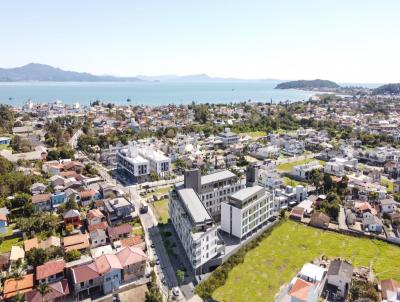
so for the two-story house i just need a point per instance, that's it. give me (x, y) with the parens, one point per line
(118, 210)
(51, 271)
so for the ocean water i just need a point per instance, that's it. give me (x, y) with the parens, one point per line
(148, 93)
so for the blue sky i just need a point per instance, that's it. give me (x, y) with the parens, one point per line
(345, 41)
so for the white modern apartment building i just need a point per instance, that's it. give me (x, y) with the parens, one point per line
(304, 171)
(159, 163)
(140, 162)
(246, 211)
(194, 226)
(215, 188)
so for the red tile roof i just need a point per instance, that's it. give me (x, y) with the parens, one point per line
(50, 268)
(300, 290)
(76, 242)
(57, 290)
(389, 285)
(131, 255)
(102, 226)
(12, 286)
(131, 241)
(85, 273)
(87, 194)
(94, 213)
(40, 198)
(114, 232)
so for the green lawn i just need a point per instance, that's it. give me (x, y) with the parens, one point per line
(138, 231)
(254, 134)
(161, 210)
(291, 182)
(288, 167)
(281, 255)
(159, 191)
(6, 245)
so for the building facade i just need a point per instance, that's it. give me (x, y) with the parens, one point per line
(194, 226)
(246, 211)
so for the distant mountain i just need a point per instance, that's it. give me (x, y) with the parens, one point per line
(308, 85)
(41, 72)
(389, 89)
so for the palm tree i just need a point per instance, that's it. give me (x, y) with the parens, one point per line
(43, 289)
(19, 297)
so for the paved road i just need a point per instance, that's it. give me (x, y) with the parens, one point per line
(149, 222)
(73, 142)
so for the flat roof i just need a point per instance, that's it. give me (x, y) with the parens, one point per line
(193, 205)
(218, 176)
(245, 193)
(138, 159)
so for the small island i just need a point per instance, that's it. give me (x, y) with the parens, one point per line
(308, 85)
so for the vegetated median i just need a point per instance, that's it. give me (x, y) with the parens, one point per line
(259, 269)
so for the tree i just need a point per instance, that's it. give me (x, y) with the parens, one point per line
(154, 176)
(153, 295)
(36, 257)
(328, 183)
(43, 289)
(69, 228)
(72, 255)
(180, 276)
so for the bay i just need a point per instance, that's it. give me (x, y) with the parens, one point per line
(147, 93)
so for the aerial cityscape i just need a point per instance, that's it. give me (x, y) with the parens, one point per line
(187, 151)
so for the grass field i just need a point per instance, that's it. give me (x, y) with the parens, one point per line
(161, 210)
(281, 255)
(291, 182)
(254, 134)
(6, 245)
(287, 167)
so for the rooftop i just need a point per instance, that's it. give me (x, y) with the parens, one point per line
(218, 176)
(193, 205)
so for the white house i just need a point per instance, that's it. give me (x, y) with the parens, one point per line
(388, 206)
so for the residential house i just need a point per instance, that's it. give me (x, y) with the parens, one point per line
(94, 216)
(14, 286)
(78, 242)
(133, 260)
(98, 237)
(119, 232)
(51, 271)
(118, 210)
(41, 202)
(320, 220)
(87, 196)
(108, 271)
(38, 188)
(57, 199)
(57, 181)
(57, 291)
(72, 217)
(371, 223)
(390, 290)
(339, 277)
(307, 285)
(388, 206)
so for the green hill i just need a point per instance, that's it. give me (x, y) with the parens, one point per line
(307, 84)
